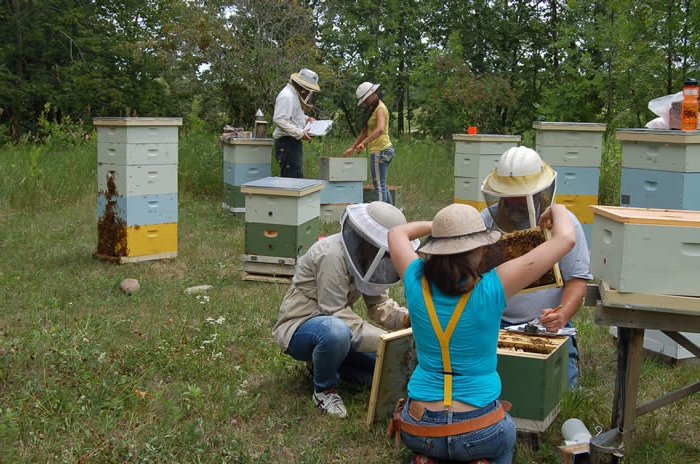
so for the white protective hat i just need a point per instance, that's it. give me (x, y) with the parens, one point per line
(364, 228)
(364, 90)
(519, 189)
(307, 79)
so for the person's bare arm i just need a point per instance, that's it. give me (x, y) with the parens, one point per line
(400, 248)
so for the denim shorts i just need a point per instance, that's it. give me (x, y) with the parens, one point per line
(495, 442)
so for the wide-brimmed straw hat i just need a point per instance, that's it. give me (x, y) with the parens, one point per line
(307, 79)
(458, 228)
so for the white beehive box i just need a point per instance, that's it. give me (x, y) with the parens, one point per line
(342, 168)
(248, 151)
(484, 144)
(569, 143)
(644, 250)
(660, 150)
(137, 130)
(282, 200)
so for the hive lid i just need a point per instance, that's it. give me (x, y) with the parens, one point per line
(283, 186)
(486, 138)
(666, 217)
(569, 126)
(658, 136)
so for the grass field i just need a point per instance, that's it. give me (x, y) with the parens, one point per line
(89, 374)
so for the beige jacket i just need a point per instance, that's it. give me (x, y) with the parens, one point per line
(322, 285)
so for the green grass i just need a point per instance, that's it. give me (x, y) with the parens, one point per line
(90, 374)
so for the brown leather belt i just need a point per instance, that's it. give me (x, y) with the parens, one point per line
(396, 425)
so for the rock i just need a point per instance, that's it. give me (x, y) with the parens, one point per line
(199, 289)
(130, 286)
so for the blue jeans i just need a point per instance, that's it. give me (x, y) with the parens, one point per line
(288, 152)
(495, 442)
(325, 341)
(379, 166)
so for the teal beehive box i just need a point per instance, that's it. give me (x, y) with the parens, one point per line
(244, 160)
(533, 371)
(281, 215)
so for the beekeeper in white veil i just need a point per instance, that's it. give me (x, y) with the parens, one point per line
(317, 319)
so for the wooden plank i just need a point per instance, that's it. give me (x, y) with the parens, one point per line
(658, 136)
(649, 301)
(651, 216)
(668, 399)
(645, 319)
(396, 359)
(267, 278)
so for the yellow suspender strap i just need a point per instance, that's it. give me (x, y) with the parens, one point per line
(444, 337)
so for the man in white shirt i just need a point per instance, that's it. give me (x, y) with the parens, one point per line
(290, 120)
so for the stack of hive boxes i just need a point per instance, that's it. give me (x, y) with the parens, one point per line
(369, 194)
(475, 157)
(137, 200)
(574, 150)
(645, 251)
(245, 160)
(344, 178)
(281, 223)
(660, 169)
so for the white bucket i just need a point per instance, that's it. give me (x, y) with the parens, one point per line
(575, 431)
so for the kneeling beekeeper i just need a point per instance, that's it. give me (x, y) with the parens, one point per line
(317, 323)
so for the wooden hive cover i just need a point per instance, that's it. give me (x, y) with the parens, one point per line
(665, 217)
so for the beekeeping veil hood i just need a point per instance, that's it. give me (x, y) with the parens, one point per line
(364, 228)
(519, 189)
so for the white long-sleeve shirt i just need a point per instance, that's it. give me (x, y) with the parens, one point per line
(289, 117)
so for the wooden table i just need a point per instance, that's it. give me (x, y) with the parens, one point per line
(632, 313)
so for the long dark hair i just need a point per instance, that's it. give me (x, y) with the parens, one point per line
(372, 108)
(452, 274)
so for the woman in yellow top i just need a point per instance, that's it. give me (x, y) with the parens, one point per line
(375, 135)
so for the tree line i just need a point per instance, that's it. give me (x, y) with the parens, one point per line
(442, 64)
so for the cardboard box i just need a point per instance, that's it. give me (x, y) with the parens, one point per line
(644, 250)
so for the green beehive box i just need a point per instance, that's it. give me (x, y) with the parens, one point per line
(533, 371)
(368, 194)
(234, 199)
(287, 241)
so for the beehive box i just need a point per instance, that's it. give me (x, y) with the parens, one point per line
(281, 216)
(245, 160)
(282, 200)
(342, 168)
(533, 371)
(660, 150)
(644, 250)
(248, 151)
(484, 144)
(645, 188)
(369, 195)
(137, 199)
(516, 244)
(569, 143)
(332, 212)
(349, 191)
(577, 180)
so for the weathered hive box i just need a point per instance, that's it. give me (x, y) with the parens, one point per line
(281, 216)
(369, 195)
(569, 143)
(137, 199)
(344, 191)
(475, 157)
(342, 168)
(643, 250)
(533, 371)
(660, 169)
(245, 160)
